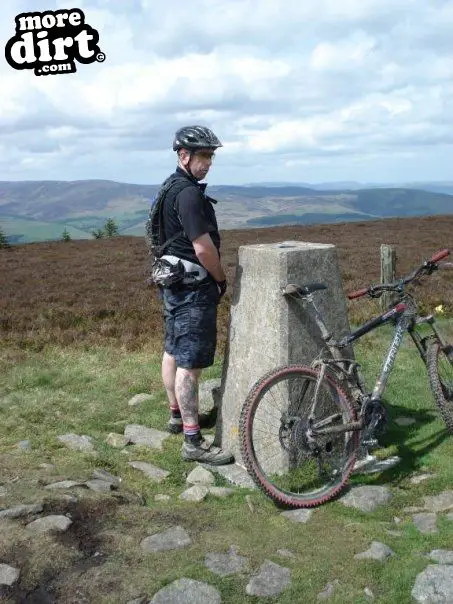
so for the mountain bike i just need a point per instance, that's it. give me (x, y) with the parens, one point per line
(303, 428)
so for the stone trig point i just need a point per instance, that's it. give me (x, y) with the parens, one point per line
(267, 329)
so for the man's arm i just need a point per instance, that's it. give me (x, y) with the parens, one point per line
(208, 256)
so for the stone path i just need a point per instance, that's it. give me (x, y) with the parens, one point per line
(268, 579)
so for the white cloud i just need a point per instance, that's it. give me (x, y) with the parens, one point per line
(319, 89)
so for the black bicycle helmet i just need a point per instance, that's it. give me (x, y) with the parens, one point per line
(195, 137)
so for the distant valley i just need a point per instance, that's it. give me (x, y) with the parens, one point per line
(41, 210)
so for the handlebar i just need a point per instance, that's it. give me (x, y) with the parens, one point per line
(374, 291)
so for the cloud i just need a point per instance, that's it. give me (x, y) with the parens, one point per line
(319, 89)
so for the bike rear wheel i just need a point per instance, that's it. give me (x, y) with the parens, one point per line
(440, 370)
(285, 457)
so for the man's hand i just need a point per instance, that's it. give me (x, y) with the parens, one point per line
(222, 285)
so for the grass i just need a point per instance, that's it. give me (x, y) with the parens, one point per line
(86, 391)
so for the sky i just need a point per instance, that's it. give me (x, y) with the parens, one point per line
(315, 91)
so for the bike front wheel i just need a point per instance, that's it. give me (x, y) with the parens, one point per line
(439, 361)
(293, 441)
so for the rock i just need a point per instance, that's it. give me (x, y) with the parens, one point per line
(99, 486)
(418, 478)
(271, 580)
(64, 484)
(234, 474)
(405, 421)
(200, 475)
(161, 497)
(426, 523)
(3, 492)
(117, 441)
(187, 591)
(328, 590)
(439, 503)
(286, 553)
(76, 442)
(19, 511)
(138, 399)
(8, 575)
(47, 466)
(173, 538)
(367, 498)
(434, 585)
(100, 474)
(397, 520)
(196, 493)
(442, 556)
(25, 445)
(141, 435)
(394, 533)
(156, 474)
(225, 564)
(413, 509)
(300, 515)
(377, 551)
(220, 491)
(369, 594)
(140, 600)
(50, 524)
(449, 517)
(208, 395)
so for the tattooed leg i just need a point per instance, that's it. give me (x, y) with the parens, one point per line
(186, 388)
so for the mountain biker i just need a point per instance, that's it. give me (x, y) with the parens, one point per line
(190, 305)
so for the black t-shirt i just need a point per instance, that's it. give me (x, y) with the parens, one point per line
(192, 210)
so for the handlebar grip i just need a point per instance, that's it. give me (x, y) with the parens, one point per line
(441, 254)
(358, 293)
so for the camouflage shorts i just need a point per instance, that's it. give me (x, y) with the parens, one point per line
(191, 325)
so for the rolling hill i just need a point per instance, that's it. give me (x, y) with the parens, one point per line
(41, 210)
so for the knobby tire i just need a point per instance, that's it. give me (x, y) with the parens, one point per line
(443, 394)
(279, 495)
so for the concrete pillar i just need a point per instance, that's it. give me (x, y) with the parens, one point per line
(267, 329)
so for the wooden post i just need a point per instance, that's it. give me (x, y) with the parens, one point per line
(388, 270)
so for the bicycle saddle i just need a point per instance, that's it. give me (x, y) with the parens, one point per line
(303, 290)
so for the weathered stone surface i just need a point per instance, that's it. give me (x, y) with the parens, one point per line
(173, 538)
(47, 466)
(450, 516)
(220, 491)
(77, 442)
(286, 553)
(300, 515)
(138, 399)
(234, 473)
(99, 486)
(369, 594)
(367, 498)
(141, 435)
(405, 421)
(200, 475)
(328, 591)
(439, 503)
(3, 491)
(51, 523)
(117, 441)
(443, 556)
(8, 575)
(101, 474)
(156, 474)
(196, 493)
(64, 484)
(225, 564)
(141, 600)
(425, 522)
(418, 478)
(271, 580)
(376, 551)
(187, 591)
(434, 585)
(25, 445)
(161, 497)
(208, 395)
(268, 329)
(19, 511)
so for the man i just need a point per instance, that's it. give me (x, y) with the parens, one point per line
(190, 306)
